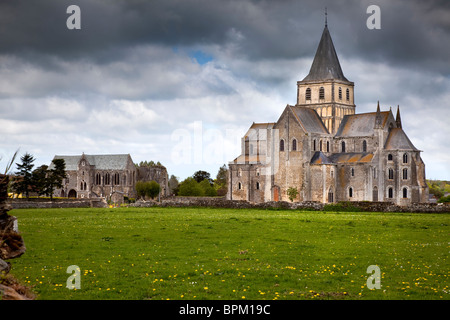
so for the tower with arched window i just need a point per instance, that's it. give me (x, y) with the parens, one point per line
(325, 88)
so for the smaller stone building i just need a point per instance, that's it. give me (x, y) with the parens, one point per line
(111, 176)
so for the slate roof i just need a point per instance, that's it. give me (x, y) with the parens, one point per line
(352, 157)
(398, 140)
(326, 63)
(360, 125)
(101, 162)
(309, 120)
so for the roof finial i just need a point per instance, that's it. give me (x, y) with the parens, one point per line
(326, 23)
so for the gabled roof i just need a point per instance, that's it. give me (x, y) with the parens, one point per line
(309, 120)
(398, 140)
(320, 158)
(326, 63)
(253, 159)
(258, 131)
(101, 162)
(360, 125)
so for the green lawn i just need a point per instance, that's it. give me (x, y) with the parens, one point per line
(204, 253)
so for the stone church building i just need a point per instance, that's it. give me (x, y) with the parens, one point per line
(325, 150)
(109, 176)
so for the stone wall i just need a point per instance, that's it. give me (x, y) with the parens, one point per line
(306, 205)
(58, 203)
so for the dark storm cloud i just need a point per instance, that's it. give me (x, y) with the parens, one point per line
(411, 31)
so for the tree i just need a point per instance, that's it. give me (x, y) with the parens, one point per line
(190, 187)
(140, 189)
(200, 175)
(23, 181)
(39, 177)
(147, 189)
(221, 181)
(173, 184)
(152, 189)
(292, 193)
(208, 189)
(55, 176)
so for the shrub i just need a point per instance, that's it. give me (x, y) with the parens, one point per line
(190, 187)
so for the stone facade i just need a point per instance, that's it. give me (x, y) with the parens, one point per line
(98, 176)
(112, 177)
(321, 147)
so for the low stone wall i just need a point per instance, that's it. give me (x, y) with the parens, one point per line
(57, 203)
(310, 205)
(216, 202)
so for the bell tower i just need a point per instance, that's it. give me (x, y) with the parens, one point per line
(326, 89)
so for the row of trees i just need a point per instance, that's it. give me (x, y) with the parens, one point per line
(201, 184)
(41, 180)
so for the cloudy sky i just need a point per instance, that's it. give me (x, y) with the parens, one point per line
(180, 81)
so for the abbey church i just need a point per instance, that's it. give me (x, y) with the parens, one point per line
(326, 151)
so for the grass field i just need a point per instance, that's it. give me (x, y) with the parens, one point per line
(204, 253)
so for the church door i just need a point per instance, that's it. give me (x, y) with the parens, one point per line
(72, 194)
(276, 194)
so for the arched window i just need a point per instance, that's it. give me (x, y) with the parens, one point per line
(353, 172)
(85, 186)
(405, 158)
(321, 93)
(405, 193)
(348, 94)
(364, 146)
(330, 196)
(343, 146)
(350, 192)
(107, 179)
(257, 186)
(375, 194)
(328, 146)
(390, 157)
(281, 145)
(340, 93)
(98, 179)
(320, 145)
(390, 193)
(81, 186)
(390, 174)
(405, 174)
(314, 145)
(308, 94)
(239, 186)
(116, 179)
(124, 180)
(294, 145)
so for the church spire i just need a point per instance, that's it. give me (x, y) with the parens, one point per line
(397, 119)
(326, 22)
(326, 64)
(378, 117)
